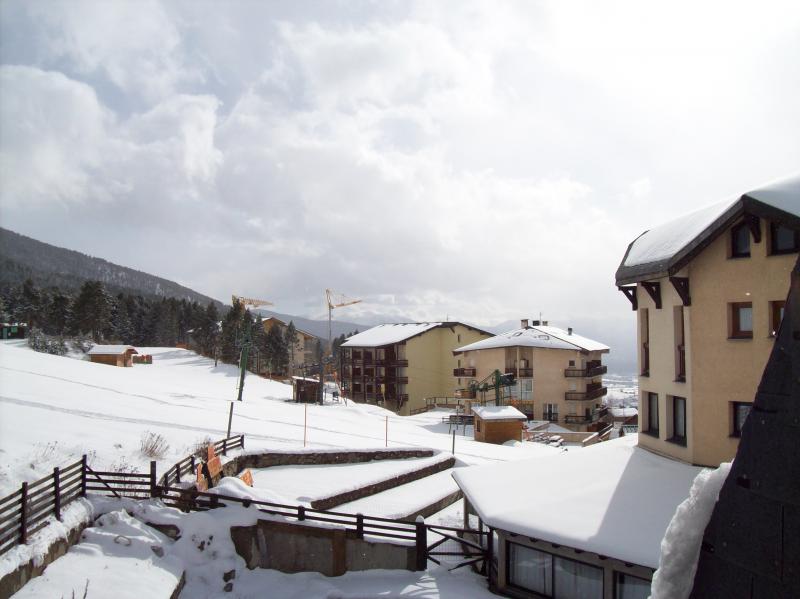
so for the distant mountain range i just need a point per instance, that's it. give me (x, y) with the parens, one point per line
(22, 257)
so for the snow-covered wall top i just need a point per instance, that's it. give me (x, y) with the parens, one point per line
(537, 336)
(387, 334)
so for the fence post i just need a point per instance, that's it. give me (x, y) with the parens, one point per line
(242, 438)
(84, 466)
(360, 526)
(422, 545)
(454, 443)
(194, 466)
(57, 493)
(178, 472)
(23, 517)
(225, 446)
(153, 484)
(301, 512)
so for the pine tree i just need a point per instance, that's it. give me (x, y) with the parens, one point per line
(59, 312)
(91, 313)
(290, 337)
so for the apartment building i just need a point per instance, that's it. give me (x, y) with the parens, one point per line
(557, 369)
(400, 365)
(709, 290)
(302, 351)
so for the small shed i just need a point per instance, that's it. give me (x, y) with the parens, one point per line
(113, 355)
(14, 330)
(305, 390)
(498, 424)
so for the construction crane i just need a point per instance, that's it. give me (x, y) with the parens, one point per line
(246, 344)
(336, 301)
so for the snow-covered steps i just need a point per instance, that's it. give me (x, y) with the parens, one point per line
(423, 497)
(412, 470)
(307, 484)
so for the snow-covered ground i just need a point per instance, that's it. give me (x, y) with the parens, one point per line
(54, 409)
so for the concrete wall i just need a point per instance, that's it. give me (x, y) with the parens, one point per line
(297, 547)
(719, 370)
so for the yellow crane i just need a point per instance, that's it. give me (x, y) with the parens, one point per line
(336, 300)
(249, 301)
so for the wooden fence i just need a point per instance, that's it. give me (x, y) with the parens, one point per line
(25, 511)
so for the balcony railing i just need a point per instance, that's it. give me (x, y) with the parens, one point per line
(584, 395)
(464, 372)
(584, 419)
(397, 380)
(585, 372)
(550, 416)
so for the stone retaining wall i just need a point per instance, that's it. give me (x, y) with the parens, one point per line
(307, 458)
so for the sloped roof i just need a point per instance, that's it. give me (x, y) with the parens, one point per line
(387, 334)
(113, 350)
(664, 250)
(286, 324)
(592, 498)
(537, 336)
(498, 413)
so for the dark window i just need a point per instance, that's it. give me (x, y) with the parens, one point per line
(552, 575)
(644, 327)
(775, 316)
(652, 414)
(740, 413)
(783, 240)
(572, 362)
(477, 425)
(742, 320)
(678, 420)
(680, 347)
(740, 241)
(630, 587)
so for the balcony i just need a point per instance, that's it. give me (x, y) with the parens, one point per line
(585, 372)
(584, 419)
(586, 395)
(550, 416)
(520, 373)
(464, 372)
(397, 380)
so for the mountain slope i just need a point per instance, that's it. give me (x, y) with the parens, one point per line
(47, 265)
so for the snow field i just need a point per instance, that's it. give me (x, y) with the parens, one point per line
(54, 409)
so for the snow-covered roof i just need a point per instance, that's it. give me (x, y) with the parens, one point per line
(537, 336)
(387, 334)
(624, 412)
(301, 378)
(613, 498)
(110, 350)
(498, 413)
(665, 249)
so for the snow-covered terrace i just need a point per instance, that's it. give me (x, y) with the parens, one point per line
(613, 499)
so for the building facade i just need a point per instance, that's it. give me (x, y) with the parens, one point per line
(400, 365)
(709, 291)
(560, 371)
(302, 351)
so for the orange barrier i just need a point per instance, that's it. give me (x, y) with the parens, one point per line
(247, 477)
(202, 483)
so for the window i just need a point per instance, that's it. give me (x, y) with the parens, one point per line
(740, 241)
(680, 347)
(458, 338)
(630, 587)
(477, 425)
(775, 316)
(678, 420)
(740, 413)
(741, 320)
(652, 414)
(553, 576)
(644, 328)
(783, 240)
(572, 362)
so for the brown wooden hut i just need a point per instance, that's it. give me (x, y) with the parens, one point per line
(113, 355)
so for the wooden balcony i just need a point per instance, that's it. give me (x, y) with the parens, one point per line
(585, 372)
(464, 372)
(586, 395)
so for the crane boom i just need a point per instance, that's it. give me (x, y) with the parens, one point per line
(336, 301)
(249, 301)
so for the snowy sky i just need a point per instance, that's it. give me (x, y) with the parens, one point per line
(479, 160)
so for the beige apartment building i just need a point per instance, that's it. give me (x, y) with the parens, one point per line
(560, 371)
(302, 351)
(400, 365)
(709, 290)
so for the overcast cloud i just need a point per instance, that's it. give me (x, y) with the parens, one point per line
(477, 160)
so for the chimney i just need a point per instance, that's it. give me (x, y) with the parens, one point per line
(523, 324)
(535, 323)
(569, 331)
